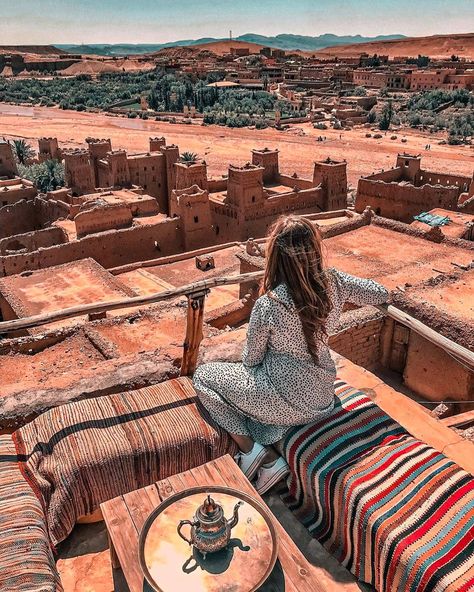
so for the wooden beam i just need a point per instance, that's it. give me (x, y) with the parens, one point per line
(97, 307)
(192, 341)
(460, 353)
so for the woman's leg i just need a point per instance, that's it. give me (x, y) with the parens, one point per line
(244, 443)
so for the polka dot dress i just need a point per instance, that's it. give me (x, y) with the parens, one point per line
(278, 385)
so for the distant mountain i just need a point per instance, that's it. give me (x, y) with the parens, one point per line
(285, 41)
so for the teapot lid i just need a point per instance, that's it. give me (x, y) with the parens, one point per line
(210, 509)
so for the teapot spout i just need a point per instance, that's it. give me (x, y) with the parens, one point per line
(235, 517)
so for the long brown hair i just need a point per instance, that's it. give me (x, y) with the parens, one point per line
(294, 257)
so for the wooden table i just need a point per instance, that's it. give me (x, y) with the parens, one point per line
(125, 516)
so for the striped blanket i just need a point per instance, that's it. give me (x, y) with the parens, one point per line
(26, 559)
(394, 511)
(79, 455)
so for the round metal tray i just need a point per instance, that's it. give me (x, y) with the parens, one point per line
(169, 564)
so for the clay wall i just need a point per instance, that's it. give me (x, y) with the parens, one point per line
(332, 176)
(8, 166)
(402, 202)
(192, 206)
(14, 190)
(49, 210)
(292, 182)
(268, 159)
(217, 185)
(359, 342)
(245, 186)
(389, 176)
(48, 149)
(101, 218)
(109, 249)
(171, 154)
(98, 149)
(31, 241)
(459, 182)
(156, 144)
(233, 222)
(118, 167)
(149, 171)
(18, 218)
(79, 171)
(192, 174)
(436, 376)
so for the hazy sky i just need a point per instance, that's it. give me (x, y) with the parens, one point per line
(157, 21)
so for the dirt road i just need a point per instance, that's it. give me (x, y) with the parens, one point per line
(220, 146)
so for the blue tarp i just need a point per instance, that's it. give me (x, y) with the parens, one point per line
(433, 219)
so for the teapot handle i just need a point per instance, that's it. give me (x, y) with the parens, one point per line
(180, 526)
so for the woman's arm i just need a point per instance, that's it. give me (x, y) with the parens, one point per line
(257, 335)
(361, 291)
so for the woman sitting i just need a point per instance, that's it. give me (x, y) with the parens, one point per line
(287, 375)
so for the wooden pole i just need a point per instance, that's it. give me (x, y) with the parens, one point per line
(98, 307)
(192, 341)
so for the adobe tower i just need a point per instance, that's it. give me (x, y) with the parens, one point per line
(332, 176)
(8, 166)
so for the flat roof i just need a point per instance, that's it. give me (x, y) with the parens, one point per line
(454, 295)
(55, 288)
(118, 196)
(392, 258)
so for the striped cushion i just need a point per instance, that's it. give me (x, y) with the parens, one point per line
(26, 558)
(394, 511)
(82, 454)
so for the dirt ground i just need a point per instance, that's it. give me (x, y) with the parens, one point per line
(220, 146)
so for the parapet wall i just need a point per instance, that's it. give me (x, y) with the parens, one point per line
(31, 241)
(18, 218)
(109, 249)
(458, 182)
(358, 337)
(101, 218)
(402, 202)
(297, 182)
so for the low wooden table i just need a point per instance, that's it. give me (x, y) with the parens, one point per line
(125, 516)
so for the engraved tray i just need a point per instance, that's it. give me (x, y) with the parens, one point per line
(169, 564)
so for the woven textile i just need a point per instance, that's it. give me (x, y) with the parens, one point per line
(391, 509)
(82, 454)
(26, 558)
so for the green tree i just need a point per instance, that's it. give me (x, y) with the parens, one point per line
(46, 176)
(22, 151)
(386, 116)
(188, 157)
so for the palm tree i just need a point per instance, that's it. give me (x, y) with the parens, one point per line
(22, 150)
(189, 157)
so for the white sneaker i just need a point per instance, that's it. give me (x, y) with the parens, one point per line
(250, 462)
(270, 476)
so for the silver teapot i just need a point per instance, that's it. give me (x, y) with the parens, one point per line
(210, 530)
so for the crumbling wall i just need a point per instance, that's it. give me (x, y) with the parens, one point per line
(31, 241)
(217, 185)
(101, 218)
(402, 202)
(388, 176)
(435, 375)
(110, 249)
(18, 218)
(459, 182)
(292, 181)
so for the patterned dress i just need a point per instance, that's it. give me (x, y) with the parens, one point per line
(278, 385)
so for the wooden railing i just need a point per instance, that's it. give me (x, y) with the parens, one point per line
(195, 294)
